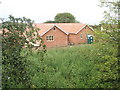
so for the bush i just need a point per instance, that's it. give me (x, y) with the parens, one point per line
(15, 67)
(107, 65)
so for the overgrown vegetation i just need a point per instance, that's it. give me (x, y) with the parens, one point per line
(71, 67)
(18, 33)
(108, 46)
(93, 66)
(85, 66)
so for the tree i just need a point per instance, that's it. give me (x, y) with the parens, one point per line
(18, 33)
(108, 46)
(64, 18)
(49, 21)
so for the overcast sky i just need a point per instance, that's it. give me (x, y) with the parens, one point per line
(85, 11)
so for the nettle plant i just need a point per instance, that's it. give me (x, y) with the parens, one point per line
(18, 34)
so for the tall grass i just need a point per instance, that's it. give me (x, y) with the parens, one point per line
(71, 67)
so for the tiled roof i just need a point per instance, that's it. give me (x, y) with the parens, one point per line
(65, 27)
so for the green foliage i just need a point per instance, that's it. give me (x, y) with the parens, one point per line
(108, 43)
(107, 66)
(111, 15)
(85, 66)
(71, 67)
(96, 27)
(49, 21)
(15, 67)
(64, 18)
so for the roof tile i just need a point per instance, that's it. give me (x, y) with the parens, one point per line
(66, 27)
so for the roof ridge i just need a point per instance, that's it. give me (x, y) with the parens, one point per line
(65, 27)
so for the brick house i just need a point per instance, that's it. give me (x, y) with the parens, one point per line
(63, 34)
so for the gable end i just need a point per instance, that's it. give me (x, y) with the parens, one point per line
(53, 27)
(83, 28)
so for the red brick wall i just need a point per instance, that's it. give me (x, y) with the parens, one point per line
(75, 38)
(60, 38)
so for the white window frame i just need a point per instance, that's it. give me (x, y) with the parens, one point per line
(49, 38)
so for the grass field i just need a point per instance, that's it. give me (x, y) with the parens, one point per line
(69, 67)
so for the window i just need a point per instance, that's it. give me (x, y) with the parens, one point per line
(49, 38)
(53, 28)
(81, 36)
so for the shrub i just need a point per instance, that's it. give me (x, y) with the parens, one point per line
(15, 67)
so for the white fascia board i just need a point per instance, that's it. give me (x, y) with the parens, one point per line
(84, 27)
(47, 30)
(90, 27)
(80, 29)
(51, 28)
(61, 29)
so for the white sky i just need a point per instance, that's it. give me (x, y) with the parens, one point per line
(85, 11)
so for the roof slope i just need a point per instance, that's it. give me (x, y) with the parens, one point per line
(65, 27)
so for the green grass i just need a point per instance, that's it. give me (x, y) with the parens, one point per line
(71, 67)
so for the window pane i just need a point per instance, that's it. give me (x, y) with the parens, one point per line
(49, 37)
(80, 35)
(52, 37)
(46, 37)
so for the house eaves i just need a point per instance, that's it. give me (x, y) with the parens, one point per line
(83, 28)
(51, 28)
